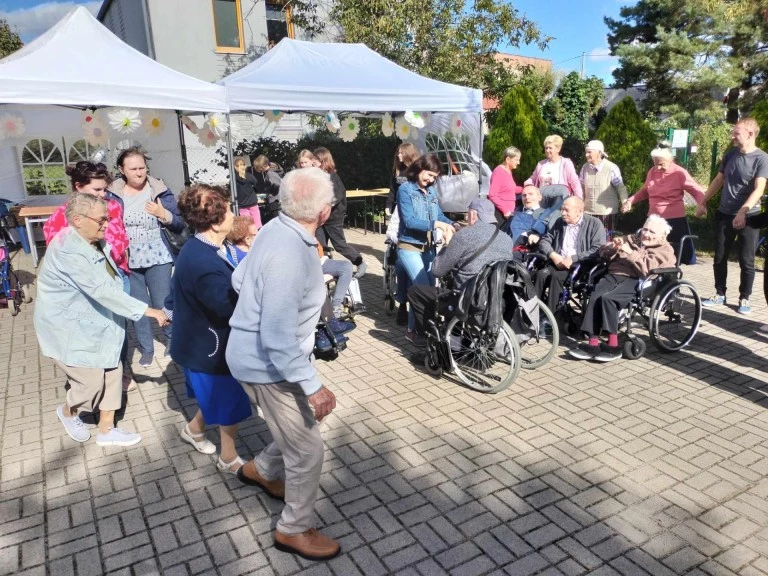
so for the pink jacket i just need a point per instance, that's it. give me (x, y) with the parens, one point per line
(665, 191)
(503, 191)
(568, 176)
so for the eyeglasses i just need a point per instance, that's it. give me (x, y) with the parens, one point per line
(100, 221)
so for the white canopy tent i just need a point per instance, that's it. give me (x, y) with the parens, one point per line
(298, 76)
(78, 64)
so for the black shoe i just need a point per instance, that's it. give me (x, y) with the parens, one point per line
(584, 351)
(609, 353)
(402, 315)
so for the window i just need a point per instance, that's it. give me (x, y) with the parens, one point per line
(278, 22)
(228, 26)
(42, 165)
(454, 152)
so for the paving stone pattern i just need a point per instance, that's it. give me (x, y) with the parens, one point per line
(657, 466)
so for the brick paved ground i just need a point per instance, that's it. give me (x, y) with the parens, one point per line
(657, 466)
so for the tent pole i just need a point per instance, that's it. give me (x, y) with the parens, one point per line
(184, 161)
(480, 157)
(230, 160)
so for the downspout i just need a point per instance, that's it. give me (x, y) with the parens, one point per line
(184, 160)
(148, 29)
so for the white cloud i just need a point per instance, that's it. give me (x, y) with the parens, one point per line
(31, 22)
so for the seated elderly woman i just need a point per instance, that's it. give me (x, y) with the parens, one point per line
(629, 258)
(80, 320)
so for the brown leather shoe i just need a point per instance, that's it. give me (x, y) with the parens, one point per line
(248, 474)
(310, 544)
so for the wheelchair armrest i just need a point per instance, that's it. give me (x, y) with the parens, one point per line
(663, 271)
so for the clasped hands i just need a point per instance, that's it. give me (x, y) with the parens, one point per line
(560, 262)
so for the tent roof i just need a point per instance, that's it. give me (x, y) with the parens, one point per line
(79, 62)
(310, 76)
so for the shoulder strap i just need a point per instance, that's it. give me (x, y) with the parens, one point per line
(482, 248)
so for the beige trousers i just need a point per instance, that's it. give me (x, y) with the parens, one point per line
(93, 388)
(296, 452)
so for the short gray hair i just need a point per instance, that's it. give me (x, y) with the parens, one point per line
(662, 222)
(512, 152)
(81, 204)
(304, 193)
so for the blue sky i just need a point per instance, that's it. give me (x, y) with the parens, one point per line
(577, 26)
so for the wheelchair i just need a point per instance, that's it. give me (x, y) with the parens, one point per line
(390, 277)
(471, 334)
(668, 306)
(353, 299)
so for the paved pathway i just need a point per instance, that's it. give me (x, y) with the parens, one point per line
(657, 466)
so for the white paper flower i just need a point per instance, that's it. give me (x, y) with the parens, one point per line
(332, 121)
(457, 124)
(413, 135)
(96, 132)
(190, 125)
(125, 120)
(11, 126)
(350, 127)
(415, 119)
(217, 123)
(387, 125)
(153, 122)
(207, 136)
(402, 128)
(273, 115)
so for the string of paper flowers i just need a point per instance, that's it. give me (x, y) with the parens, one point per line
(11, 126)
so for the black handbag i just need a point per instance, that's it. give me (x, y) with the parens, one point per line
(177, 239)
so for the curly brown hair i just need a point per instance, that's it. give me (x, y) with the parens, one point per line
(240, 227)
(203, 206)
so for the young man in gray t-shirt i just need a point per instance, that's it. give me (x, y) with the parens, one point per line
(742, 175)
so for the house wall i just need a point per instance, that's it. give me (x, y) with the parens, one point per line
(125, 18)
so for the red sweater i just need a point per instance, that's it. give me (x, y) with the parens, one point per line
(503, 191)
(665, 191)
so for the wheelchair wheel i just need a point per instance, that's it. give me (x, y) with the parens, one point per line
(13, 306)
(675, 316)
(537, 351)
(634, 348)
(432, 365)
(389, 305)
(484, 363)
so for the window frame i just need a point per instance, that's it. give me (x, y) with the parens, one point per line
(44, 165)
(229, 49)
(289, 29)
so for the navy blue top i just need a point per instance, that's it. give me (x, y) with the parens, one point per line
(202, 300)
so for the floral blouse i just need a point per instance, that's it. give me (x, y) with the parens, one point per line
(114, 235)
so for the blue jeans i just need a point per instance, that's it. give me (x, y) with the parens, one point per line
(403, 283)
(124, 349)
(342, 271)
(150, 285)
(418, 269)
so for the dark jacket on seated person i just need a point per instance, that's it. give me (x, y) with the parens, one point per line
(640, 261)
(590, 239)
(456, 256)
(202, 301)
(526, 222)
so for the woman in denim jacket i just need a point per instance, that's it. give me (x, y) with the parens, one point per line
(420, 216)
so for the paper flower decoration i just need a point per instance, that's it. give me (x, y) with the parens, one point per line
(456, 124)
(207, 137)
(387, 125)
(125, 120)
(413, 135)
(332, 121)
(402, 128)
(217, 123)
(95, 132)
(11, 126)
(273, 115)
(153, 122)
(88, 117)
(350, 127)
(415, 119)
(189, 124)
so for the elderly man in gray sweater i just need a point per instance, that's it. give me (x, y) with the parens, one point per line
(470, 249)
(281, 291)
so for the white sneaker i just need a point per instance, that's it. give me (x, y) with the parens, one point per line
(204, 446)
(118, 437)
(74, 426)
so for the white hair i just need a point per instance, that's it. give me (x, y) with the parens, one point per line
(80, 205)
(304, 193)
(662, 222)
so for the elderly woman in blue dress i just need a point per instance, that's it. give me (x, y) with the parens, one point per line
(201, 304)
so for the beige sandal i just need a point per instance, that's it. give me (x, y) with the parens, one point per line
(227, 466)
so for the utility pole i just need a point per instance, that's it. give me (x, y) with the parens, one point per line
(583, 57)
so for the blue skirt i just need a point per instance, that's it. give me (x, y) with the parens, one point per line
(220, 397)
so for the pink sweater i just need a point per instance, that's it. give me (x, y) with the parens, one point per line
(503, 191)
(665, 191)
(568, 176)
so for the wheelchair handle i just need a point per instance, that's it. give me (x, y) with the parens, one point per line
(681, 243)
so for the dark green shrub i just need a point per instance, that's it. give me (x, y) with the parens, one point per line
(519, 123)
(760, 113)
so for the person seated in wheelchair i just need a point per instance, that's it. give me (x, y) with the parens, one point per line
(530, 222)
(575, 238)
(471, 248)
(629, 259)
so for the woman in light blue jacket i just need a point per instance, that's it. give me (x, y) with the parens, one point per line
(420, 216)
(80, 320)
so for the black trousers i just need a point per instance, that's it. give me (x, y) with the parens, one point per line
(761, 221)
(333, 230)
(610, 296)
(551, 277)
(424, 301)
(746, 244)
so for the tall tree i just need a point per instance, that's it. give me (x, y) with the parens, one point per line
(569, 111)
(450, 40)
(689, 54)
(9, 39)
